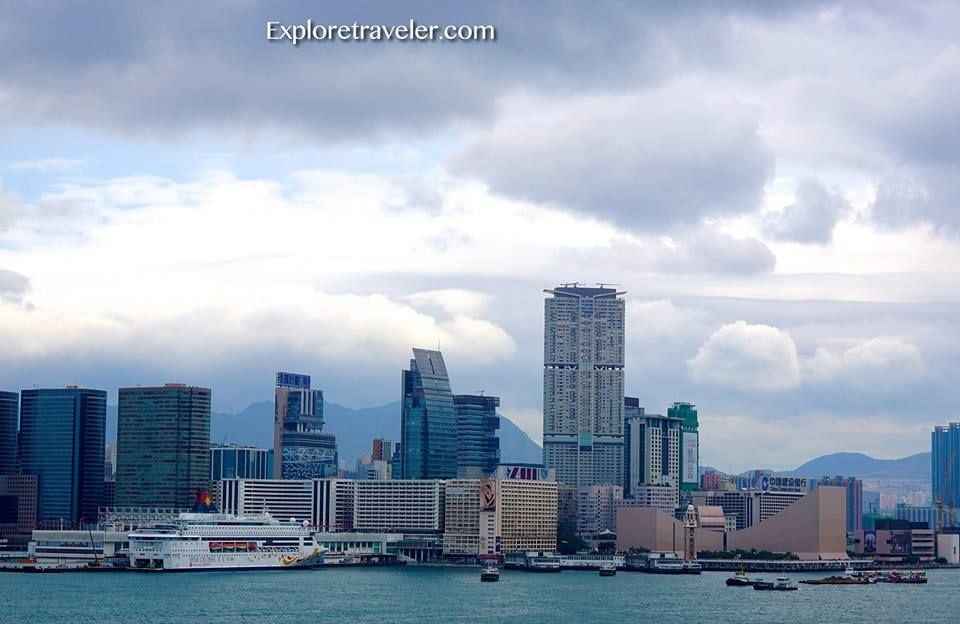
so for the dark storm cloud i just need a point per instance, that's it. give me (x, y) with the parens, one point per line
(161, 68)
(667, 156)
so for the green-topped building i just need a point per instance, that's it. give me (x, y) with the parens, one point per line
(689, 444)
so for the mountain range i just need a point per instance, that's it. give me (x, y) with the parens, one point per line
(354, 428)
(866, 467)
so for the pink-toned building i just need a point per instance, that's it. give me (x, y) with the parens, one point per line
(814, 527)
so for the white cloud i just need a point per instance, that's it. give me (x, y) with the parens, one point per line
(747, 357)
(882, 360)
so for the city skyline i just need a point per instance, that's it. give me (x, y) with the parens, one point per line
(774, 186)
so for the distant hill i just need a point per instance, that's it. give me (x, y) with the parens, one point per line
(355, 429)
(866, 467)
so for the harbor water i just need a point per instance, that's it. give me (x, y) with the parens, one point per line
(422, 595)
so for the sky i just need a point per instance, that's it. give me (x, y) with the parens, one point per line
(775, 186)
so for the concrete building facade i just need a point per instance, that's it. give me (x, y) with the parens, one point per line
(493, 517)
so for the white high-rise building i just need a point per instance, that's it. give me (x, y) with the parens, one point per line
(583, 355)
(651, 455)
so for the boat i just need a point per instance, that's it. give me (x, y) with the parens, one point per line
(544, 563)
(916, 577)
(676, 566)
(781, 584)
(849, 577)
(608, 568)
(740, 579)
(212, 541)
(490, 574)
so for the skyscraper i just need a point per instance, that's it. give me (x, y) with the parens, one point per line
(945, 465)
(163, 446)
(478, 447)
(583, 359)
(428, 420)
(689, 445)
(61, 442)
(300, 448)
(9, 408)
(651, 454)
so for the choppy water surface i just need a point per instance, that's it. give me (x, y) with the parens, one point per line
(425, 595)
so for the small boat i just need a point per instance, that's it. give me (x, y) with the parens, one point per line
(608, 568)
(490, 574)
(781, 584)
(740, 579)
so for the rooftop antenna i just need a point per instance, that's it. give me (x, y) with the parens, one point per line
(605, 284)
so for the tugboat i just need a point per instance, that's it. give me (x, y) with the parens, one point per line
(781, 584)
(740, 579)
(489, 574)
(608, 568)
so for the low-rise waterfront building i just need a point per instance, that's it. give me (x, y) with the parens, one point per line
(812, 527)
(72, 546)
(490, 517)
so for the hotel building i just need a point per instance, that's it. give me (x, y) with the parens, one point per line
(490, 517)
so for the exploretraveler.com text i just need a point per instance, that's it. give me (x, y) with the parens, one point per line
(411, 31)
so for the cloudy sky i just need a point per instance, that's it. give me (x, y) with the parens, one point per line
(777, 189)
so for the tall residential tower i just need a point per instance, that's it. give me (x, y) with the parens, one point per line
(583, 356)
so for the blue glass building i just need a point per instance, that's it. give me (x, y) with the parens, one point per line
(301, 449)
(945, 465)
(240, 462)
(478, 447)
(61, 442)
(428, 420)
(9, 409)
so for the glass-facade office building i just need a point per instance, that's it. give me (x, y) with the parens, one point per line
(301, 449)
(945, 465)
(163, 446)
(9, 415)
(235, 462)
(428, 422)
(478, 447)
(61, 442)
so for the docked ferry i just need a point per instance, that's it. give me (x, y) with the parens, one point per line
(211, 541)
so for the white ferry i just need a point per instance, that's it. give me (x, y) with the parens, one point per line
(210, 541)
